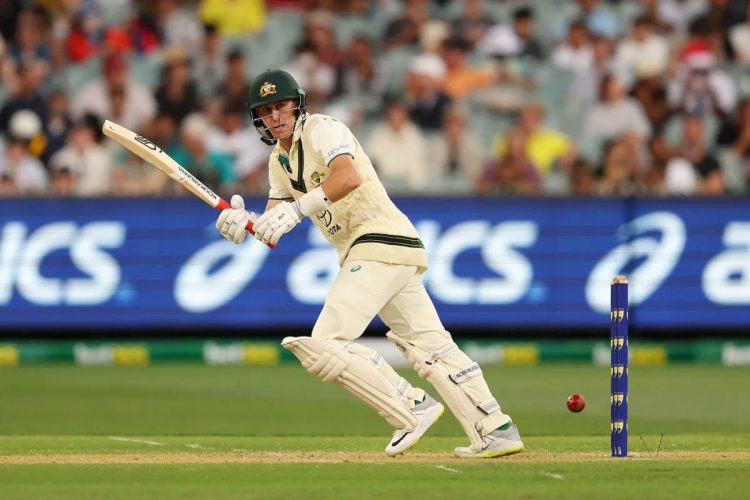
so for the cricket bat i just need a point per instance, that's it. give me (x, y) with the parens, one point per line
(154, 155)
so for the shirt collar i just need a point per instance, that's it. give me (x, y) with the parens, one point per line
(298, 126)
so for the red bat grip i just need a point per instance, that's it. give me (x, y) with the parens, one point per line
(223, 205)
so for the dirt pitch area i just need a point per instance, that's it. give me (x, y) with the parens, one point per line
(307, 457)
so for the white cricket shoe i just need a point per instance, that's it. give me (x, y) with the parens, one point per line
(428, 411)
(496, 444)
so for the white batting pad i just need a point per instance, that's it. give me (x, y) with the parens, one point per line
(358, 370)
(460, 383)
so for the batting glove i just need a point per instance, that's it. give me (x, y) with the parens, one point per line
(232, 221)
(278, 221)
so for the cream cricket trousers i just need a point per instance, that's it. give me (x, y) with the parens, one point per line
(395, 292)
(365, 288)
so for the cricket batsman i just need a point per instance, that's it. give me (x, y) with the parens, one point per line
(319, 170)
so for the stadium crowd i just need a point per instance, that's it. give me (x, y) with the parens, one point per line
(494, 98)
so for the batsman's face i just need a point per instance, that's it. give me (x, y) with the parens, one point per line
(279, 117)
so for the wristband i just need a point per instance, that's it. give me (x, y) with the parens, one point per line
(313, 202)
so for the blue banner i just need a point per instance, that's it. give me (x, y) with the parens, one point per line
(495, 263)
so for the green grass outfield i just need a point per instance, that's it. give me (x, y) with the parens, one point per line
(192, 431)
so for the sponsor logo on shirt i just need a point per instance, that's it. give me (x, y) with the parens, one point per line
(338, 149)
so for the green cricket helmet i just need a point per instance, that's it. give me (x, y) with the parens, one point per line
(273, 86)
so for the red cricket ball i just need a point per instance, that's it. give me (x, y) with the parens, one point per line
(576, 403)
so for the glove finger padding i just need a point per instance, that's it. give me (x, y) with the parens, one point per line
(276, 222)
(223, 218)
(239, 232)
(285, 228)
(236, 223)
(237, 202)
(231, 222)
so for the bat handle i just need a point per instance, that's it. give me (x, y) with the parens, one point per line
(223, 205)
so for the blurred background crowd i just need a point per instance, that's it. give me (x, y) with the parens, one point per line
(485, 97)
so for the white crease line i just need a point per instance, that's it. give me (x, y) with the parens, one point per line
(552, 475)
(194, 446)
(129, 440)
(443, 467)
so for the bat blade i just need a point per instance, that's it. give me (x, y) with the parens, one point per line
(154, 155)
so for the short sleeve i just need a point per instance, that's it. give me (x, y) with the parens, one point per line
(331, 138)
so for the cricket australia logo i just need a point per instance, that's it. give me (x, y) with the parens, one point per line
(267, 88)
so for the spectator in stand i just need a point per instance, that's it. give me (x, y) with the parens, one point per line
(644, 55)
(397, 149)
(461, 78)
(209, 64)
(115, 95)
(473, 23)
(619, 171)
(320, 35)
(30, 45)
(597, 16)
(546, 149)
(455, 157)
(427, 102)
(7, 68)
(177, 25)
(9, 18)
(61, 183)
(144, 33)
(673, 16)
(575, 53)
(523, 27)
(582, 179)
(20, 173)
(517, 40)
(234, 17)
(651, 10)
(614, 115)
(358, 77)
(700, 86)
(212, 167)
(587, 83)
(80, 43)
(405, 30)
(25, 125)
(660, 153)
(721, 16)
(317, 78)
(643, 58)
(231, 137)
(25, 94)
(58, 121)
(734, 142)
(693, 170)
(735, 133)
(739, 39)
(652, 95)
(235, 85)
(177, 95)
(513, 173)
(85, 158)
